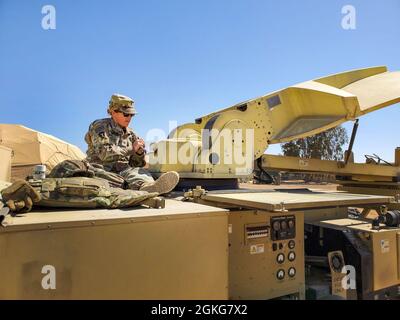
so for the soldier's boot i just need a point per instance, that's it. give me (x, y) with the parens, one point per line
(164, 184)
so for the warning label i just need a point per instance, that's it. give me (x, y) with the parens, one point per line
(303, 163)
(385, 247)
(257, 249)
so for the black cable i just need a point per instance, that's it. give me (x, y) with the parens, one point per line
(270, 179)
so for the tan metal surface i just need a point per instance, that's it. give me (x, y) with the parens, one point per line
(321, 214)
(365, 171)
(298, 111)
(376, 91)
(384, 250)
(379, 188)
(59, 218)
(291, 185)
(180, 252)
(383, 245)
(340, 223)
(298, 199)
(5, 163)
(253, 264)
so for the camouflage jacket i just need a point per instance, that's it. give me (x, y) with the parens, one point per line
(112, 146)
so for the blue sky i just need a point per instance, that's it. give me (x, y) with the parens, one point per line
(183, 59)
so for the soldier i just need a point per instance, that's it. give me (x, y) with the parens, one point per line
(112, 144)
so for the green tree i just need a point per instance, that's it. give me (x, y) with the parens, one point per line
(327, 145)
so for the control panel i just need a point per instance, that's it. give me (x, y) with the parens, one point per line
(266, 254)
(283, 227)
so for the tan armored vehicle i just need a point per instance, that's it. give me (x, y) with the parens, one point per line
(216, 241)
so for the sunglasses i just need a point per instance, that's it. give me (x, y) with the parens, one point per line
(126, 115)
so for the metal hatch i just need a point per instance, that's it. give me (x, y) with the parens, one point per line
(292, 199)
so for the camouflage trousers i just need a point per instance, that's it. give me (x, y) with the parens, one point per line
(135, 177)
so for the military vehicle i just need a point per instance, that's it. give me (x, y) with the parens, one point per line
(213, 240)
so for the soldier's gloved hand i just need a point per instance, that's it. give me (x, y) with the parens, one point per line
(20, 197)
(138, 146)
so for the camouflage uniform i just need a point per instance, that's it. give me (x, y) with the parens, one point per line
(112, 146)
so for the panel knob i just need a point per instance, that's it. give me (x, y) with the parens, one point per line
(280, 274)
(280, 258)
(291, 256)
